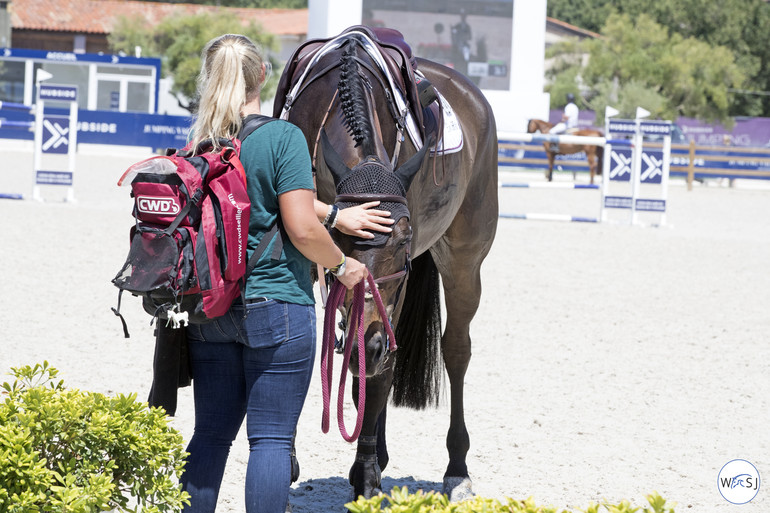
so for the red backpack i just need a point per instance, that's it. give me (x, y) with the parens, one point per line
(187, 258)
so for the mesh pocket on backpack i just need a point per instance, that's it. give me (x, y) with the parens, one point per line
(153, 263)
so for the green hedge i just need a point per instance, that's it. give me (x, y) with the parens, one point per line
(401, 501)
(81, 452)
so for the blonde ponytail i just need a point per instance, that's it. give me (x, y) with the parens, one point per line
(232, 74)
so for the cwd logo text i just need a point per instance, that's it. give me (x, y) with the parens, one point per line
(738, 481)
(155, 205)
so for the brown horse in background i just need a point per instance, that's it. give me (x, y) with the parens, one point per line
(445, 205)
(594, 154)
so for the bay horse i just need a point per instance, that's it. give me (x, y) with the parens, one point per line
(446, 210)
(594, 154)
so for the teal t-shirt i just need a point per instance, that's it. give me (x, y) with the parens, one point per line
(276, 160)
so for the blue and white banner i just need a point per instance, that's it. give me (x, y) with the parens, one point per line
(157, 131)
(133, 129)
(53, 56)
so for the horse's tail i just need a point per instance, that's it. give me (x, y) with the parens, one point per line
(418, 369)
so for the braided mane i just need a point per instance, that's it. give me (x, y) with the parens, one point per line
(353, 100)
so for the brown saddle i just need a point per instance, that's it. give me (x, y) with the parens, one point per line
(395, 51)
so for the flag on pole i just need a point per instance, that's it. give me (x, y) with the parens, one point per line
(42, 75)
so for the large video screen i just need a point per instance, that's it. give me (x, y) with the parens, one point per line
(471, 36)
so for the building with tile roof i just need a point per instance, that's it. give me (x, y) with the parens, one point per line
(557, 31)
(82, 26)
(72, 27)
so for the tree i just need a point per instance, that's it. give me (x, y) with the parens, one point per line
(738, 25)
(637, 63)
(178, 41)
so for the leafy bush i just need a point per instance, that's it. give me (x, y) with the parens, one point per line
(401, 501)
(81, 452)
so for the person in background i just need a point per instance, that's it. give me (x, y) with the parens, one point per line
(569, 121)
(461, 35)
(255, 362)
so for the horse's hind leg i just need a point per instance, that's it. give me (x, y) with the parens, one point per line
(551, 158)
(462, 290)
(459, 262)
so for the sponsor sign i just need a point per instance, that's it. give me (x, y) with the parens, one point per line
(65, 93)
(56, 134)
(622, 126)
(661, 128)
(620, 165)
(618, 202)
(628, 126)
(652, 167)
(53, 178)
(650, 205)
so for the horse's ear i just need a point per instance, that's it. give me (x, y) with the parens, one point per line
(333, 160)
(406, 173)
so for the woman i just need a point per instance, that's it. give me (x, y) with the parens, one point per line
(256, 360)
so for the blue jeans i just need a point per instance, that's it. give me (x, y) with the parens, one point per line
(258, 367)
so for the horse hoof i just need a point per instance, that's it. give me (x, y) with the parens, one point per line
(458, 488)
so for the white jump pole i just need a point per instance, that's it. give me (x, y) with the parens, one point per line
(40, 76)
(636, 168)
(609, 112)
(547, 138)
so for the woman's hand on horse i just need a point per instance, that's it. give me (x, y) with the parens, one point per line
(355, 271)
(358, 220)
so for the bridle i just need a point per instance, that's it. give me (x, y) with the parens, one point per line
(398, 117)
(399, 120)
(369, 290)
(383, 198)
(362, 292)
(336, 297)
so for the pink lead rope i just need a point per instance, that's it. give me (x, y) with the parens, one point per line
(335, 300)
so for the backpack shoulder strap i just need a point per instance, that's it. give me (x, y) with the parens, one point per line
(274, 230)
(251, 123)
